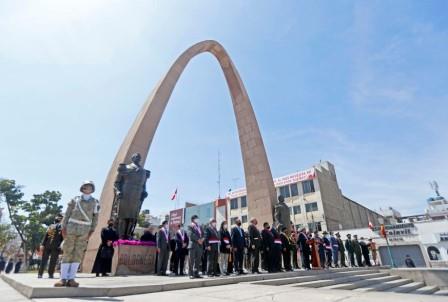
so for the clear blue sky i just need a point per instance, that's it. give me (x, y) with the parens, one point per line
(362, 84)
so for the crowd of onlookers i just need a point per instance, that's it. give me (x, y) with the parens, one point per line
(9, 265)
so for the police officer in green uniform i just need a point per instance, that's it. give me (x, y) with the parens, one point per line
(51, 247)
(78, 224)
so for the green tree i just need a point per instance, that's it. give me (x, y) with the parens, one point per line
(41, 211)
(12, 195)
(6, 235)
(141, 221)
(29, 218)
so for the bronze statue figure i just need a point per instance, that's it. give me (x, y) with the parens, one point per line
(130, 191)
(282, 216)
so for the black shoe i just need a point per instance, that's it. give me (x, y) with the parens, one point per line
(198, 277)
(39, 276)
(97, 274)
(50, 277)
(105, 275)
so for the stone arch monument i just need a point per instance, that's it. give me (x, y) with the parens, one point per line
(261, 194)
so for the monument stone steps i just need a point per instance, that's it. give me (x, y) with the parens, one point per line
(382, 286)
(360, 280)
(426, 290)
(315, 275)
(362, 283)
(407, 288)
(441, 292)
(340, 279)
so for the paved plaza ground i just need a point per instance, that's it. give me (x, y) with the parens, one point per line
(241, 292)
(155, 288)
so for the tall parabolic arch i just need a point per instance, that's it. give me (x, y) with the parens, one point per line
(261, 193)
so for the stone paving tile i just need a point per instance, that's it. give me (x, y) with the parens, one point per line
(7, 293)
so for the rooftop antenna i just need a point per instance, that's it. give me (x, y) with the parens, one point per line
(219, 174)
(435, 186)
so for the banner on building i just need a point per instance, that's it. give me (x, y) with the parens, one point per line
(280, 181)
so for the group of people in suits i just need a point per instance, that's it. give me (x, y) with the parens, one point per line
(214, 251)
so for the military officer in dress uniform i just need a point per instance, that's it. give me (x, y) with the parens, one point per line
(350, 250)
(78, 225)
(341, 249)
(328, 249)
(51, 247)
(334, 249)
(357, 250)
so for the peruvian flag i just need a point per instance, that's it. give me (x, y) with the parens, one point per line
(174, 195)
(370, 225)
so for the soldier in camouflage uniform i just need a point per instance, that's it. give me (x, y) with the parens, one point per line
(78, 224)
(51, 247)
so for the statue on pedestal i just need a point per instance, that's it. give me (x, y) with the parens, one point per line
(282, 216)
(130, 191)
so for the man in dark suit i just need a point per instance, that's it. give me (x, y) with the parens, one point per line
(305, 250)
(238, 243)
(255, 245)
(181, 250)
(163, 249)
(195, 249)
(212, 246)
(268, 242)
(276, 255)
(286, 249)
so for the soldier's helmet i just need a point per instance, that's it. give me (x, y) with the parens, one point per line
(88, 183)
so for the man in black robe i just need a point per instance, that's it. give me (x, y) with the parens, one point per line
(103, 260)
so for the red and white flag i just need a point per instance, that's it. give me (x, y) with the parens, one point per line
(174, 195)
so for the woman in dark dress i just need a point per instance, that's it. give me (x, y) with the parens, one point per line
(103, 260)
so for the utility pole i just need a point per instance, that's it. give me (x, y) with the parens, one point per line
(219, 174)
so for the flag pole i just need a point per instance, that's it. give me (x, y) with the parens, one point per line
(390, 253)
(177, 197)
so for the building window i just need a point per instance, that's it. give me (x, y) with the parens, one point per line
(311, 207)
(244, 202)
(233, 203)
(294, 189)
(233, 220)
(296, 210)
(284, 191)
(315, 226)
(244, 219)
(308, 186)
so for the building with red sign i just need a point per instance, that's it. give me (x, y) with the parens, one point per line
(315, 201)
